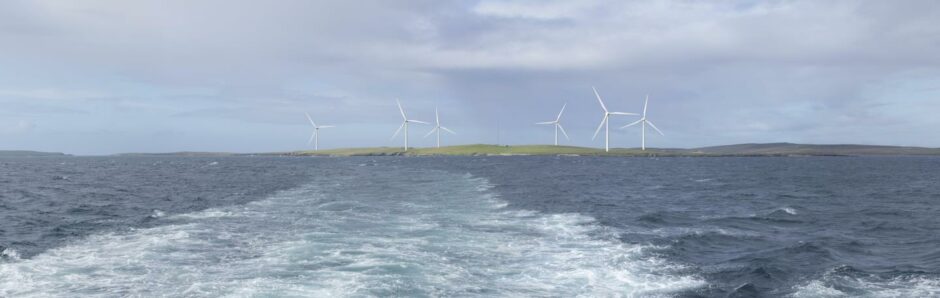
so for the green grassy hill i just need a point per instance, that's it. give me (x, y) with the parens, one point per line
(182, 153)
(770, 149)
(773, 149)
(482, 149)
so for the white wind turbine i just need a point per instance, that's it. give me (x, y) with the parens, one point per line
(438, 128)
(606, 121)
(315, 137)
(645, 122)
(404, 124)
(557, 124)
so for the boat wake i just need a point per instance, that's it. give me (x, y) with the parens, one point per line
(384, 233)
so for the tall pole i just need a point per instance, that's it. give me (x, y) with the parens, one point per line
(607, 133)
(644, 136)
(406, 135)
(497, 132)
(556, 134)
(437, 120)
(316, 139)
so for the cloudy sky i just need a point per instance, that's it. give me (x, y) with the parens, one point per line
(100, 77)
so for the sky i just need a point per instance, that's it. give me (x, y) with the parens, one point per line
(103, 77)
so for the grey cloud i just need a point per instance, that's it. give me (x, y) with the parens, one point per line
(733, 71)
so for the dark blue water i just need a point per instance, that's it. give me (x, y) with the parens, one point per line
(470, 226)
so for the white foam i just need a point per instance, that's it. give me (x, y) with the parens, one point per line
(157, 213)
(9, 254)
(212, 213)
(830, 284)
(444, 236)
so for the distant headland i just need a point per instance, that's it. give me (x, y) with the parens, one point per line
(26, 153)
(769, 149)
(765, 149)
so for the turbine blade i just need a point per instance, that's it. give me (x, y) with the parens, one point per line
(654, 127)
(402, 110)
(448, 130)
(437, 117)
(327, 126)
(430, 132)
(645, 103)
(546, 122)
(599, 99)
(599, 127)
(417, 121)
(631, 124)
(399, 130)
(563, 131)
(624, 114)
(312, 136)
(562, 111)
(310, 119)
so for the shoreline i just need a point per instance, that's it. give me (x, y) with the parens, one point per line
(739, 150)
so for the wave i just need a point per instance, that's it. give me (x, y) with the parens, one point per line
(838, 283)
(400, 234)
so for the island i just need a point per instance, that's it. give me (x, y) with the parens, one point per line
(27, 153)
(769, 149)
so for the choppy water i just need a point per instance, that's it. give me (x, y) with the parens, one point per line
(460, 226)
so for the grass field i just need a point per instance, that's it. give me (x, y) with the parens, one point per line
(772, 149)
(767, 149)
(481, 149)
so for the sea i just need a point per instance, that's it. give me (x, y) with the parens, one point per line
(500, 226)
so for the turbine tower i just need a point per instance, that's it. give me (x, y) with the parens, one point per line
(315, 137)
(438, 128)
(404, 124)
(605, 123)
(557, 124)
(644, 121)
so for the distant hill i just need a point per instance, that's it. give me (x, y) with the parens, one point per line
(803, 149)
(25, 153)
(767, 149)
(772, 149)
(183, 153)
(468, 150)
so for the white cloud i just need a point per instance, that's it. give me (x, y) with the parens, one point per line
(242, 61)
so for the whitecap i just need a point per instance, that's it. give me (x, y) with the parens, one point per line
(9, 254)
(834, 285)
(157, 213)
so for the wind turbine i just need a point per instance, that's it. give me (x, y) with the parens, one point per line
(404, 124)
(557, 124)
(606, 121)
(438, 128)
(645, 122)
(315, 137)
